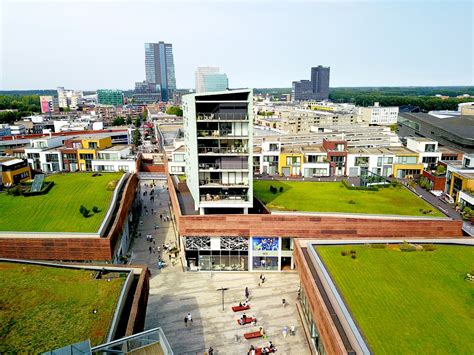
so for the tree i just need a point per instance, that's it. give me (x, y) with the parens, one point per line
(137, 138)
(137, 121)
(440, 170)
(118, 121)
(145, 115)
(174, 110)
(129, 120)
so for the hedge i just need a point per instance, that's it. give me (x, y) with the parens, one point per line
(46, 187)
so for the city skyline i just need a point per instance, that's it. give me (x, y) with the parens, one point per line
(365, 44)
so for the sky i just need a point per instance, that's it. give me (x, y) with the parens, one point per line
(87, 45)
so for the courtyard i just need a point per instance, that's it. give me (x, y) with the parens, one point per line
(174, 293)
(44, 308)
(58, 210)
(407, 302)
(335, 197)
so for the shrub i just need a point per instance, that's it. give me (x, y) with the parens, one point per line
(111, 185)
(343, 252)
(281, 188)
(351, 202)
(429, 247)
(82, 209)
(271, 188)
(95, 209)
(85, 213)
(407, 247)
(353, 256)
(353, 251)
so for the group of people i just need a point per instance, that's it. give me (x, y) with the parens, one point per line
(188, 319)
(270, 348)
(244, 318)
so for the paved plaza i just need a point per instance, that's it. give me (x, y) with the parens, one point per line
(174, 293)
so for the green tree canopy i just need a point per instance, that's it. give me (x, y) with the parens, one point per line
(174, 110)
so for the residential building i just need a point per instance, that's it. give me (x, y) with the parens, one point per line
(290, 161)
(17, 129)
(49, 104)
(5, 130)
(69, 98)
(316, 89)
(466, 108)
(176, 161)
(208, 79)
(38, 158)
(110, 97)
(427, 150)
(218, 138)
(406, 163)
(159, 67)
(316, 163)
(337, 156)
(378, 115)
(115, 158)
(14, 171)
(363, 161)
(460, 180)
(455, 131)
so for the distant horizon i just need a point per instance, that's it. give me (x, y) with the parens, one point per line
(81, 44)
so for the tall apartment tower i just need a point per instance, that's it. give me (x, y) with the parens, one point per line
(316, 89)
(159, 67)
(320, 81)
(218, 130)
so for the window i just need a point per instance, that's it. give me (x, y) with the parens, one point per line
(92, 145)
(430, 147)
(123, 168)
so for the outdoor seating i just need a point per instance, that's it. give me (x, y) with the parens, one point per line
(240, 308)
(258, 351)
(247, 320)
(253, 335)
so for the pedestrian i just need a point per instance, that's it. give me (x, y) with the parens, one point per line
(169, 256)
(285, 331)
(161, 216)
(153, 241)
(283, 302)
(263, 279)
(210, 351)
(247, 292)
(190, 318)
(149, 248)
(154, 250)
(185, 321)
(292, 330)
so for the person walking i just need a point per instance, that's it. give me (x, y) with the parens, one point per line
(190, 318)
(186, 321)
(149, 248)
(285, 331)
(292, 331)
(247, 292)
(283, 302)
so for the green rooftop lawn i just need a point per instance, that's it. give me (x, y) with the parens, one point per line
(335, 197)
(44, 308)
(58, 210)
(408, 302)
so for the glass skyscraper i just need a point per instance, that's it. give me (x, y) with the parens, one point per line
(159, 67)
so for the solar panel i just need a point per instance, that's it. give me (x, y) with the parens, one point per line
(37, 183)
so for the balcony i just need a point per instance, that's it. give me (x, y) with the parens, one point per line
(220, 183)
(227, 166)
(204, 133)
(222, 116)
(222, 150)
(240, 198)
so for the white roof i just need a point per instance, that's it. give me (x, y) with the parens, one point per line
(12, 162)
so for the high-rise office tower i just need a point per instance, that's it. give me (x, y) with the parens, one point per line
(316, 89)
(218, 140)
(320, 81)
(159, 67)
(208, 79)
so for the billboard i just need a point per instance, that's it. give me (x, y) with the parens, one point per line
(44, 103)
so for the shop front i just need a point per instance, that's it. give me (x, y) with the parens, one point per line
(238, 253)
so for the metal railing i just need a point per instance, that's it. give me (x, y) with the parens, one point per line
(222, 150)
(219, 182)
(207, 133)
(141, 340)
(230, 166)
(222, 197)
(208, 116)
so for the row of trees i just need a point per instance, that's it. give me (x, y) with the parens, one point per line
(25, 106)
(174, 110)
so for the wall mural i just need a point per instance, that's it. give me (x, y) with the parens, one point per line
(234, 243)
(265, 244)
(198, 243)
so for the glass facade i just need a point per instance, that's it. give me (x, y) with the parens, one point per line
(311, 323)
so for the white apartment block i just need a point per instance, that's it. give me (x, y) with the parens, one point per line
(218, 130)
(69, 98)
(115, 158)
(361, 161)
(41, 154)
(379, 115)
(427, 150)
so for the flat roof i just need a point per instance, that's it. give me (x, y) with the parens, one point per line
(11, 162)
(462, 126)
(115, 148)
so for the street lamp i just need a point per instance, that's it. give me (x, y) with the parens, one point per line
(222, 289)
